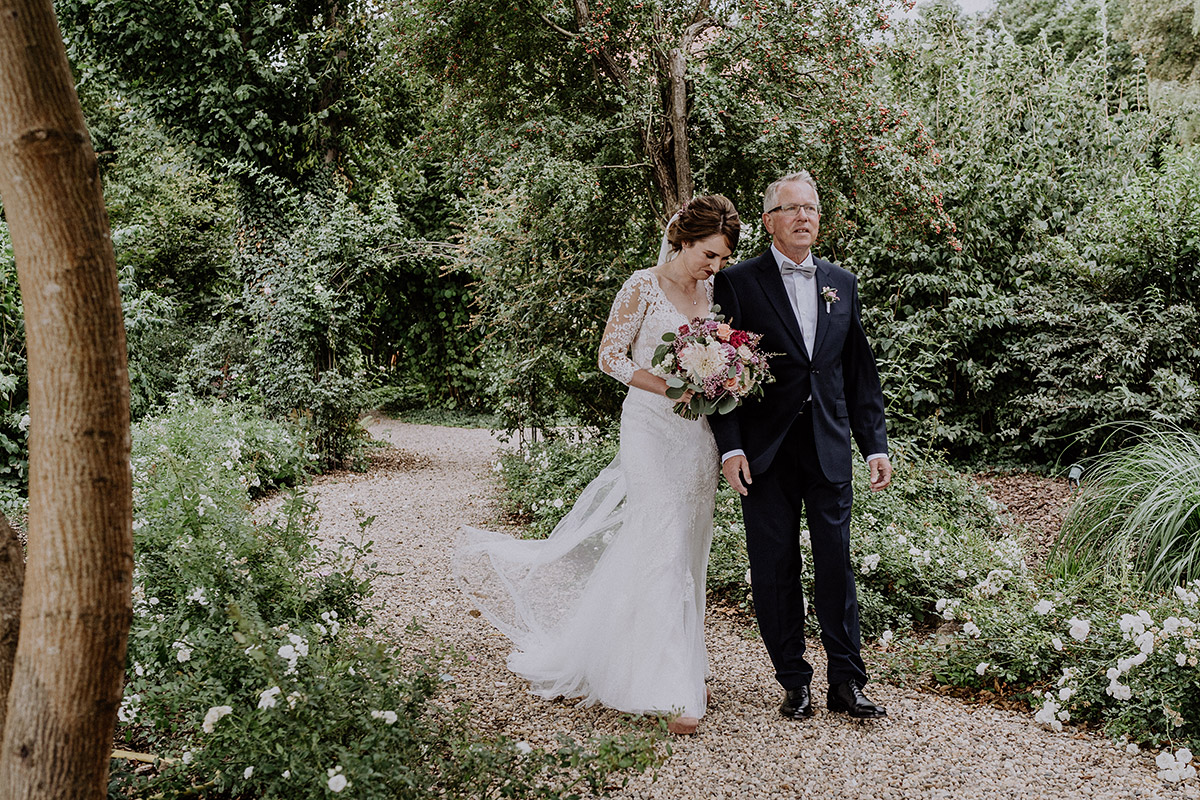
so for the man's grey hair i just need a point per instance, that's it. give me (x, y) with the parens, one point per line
(770, 196)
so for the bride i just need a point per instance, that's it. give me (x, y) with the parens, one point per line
(610, 607)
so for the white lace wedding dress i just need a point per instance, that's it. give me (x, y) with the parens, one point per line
(610, 608)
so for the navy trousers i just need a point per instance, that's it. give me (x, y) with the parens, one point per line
(793, 486)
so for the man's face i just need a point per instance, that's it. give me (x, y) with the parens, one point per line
(795, 225)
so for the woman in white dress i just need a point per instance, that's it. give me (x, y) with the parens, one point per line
(610, 608)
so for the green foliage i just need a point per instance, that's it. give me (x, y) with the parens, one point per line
(292, 339)
(1106, 653)
(254, 664)
(1048, 321)
(567, 170)
(14, 386)
(1138, 515)
(542, 479)
(243, 81)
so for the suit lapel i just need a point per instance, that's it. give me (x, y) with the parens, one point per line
(772, 286)
(824, 278)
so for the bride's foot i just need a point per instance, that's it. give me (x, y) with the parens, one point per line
(683, 726)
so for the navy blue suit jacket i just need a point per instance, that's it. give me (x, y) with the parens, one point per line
(841, 376)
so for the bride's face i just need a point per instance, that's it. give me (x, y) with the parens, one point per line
(704, 257)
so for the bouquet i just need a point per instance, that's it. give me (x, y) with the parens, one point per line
(722, 366)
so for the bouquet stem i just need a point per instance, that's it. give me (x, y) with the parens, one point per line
(685, 410)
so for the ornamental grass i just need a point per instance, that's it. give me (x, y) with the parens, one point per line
(1138, 514)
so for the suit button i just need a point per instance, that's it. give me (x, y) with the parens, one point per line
(816, 372)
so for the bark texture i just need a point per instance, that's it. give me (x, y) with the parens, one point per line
(75, 612)
(12, 582)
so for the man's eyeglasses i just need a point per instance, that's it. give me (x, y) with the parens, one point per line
(792, 209)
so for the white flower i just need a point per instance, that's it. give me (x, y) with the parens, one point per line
(869, 563)
(1080, 628)
(524, 748)
(1064, 694)
(962, 574)
(215, 713)
(1047, 716)
(249, 771)
(1145, 642)
(184, 654)
(267, 698)
(747, 576)
(388, 717)
(198, 596)
(293, 698)
(187, 756)
(703, 361)
(287, 773)
(1171, 625)
(972, 630)
(1175, 768)
(1180, 659)
(1189, 598)
(1043, 607)
(337, 781)
(23, 425)
(1119, 691)
(885, 638)
(1056, 643)
(331, 620)
(129, 707)
(981, 668)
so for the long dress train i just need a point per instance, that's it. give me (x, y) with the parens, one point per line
(610, 607)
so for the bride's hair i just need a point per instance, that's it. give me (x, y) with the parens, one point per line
(704, 216)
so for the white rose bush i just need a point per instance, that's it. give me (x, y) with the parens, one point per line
(932, 557)
(254, 665)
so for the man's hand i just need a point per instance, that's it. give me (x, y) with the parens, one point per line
(881, 473)
(736, 470)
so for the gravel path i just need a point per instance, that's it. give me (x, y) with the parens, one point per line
(929, 746)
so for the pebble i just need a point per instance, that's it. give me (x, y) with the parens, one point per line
(929, 747)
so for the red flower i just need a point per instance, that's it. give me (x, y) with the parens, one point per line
(739, 338)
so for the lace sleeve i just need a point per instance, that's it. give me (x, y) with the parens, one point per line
(624, 321)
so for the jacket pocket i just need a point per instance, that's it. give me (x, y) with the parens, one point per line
(839, 408)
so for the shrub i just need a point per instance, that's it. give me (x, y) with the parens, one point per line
(1104, 652)
(254, 667)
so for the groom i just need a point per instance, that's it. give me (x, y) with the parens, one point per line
(789, 451)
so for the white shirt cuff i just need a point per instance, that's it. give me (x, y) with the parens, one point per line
(870, 458)
(726, 456)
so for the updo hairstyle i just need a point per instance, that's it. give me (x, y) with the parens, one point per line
(704, 216)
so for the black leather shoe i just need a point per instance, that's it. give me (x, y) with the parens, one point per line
(796, 703)
(849, 697)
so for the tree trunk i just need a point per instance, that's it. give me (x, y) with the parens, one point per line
(12, 581)
(75, 611)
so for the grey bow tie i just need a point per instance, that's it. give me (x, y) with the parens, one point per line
(806, 270)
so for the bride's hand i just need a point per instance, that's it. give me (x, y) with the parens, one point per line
(687, 396)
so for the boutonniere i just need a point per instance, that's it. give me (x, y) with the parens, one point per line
(829, 295)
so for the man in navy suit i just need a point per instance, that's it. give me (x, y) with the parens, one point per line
(789, 451)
